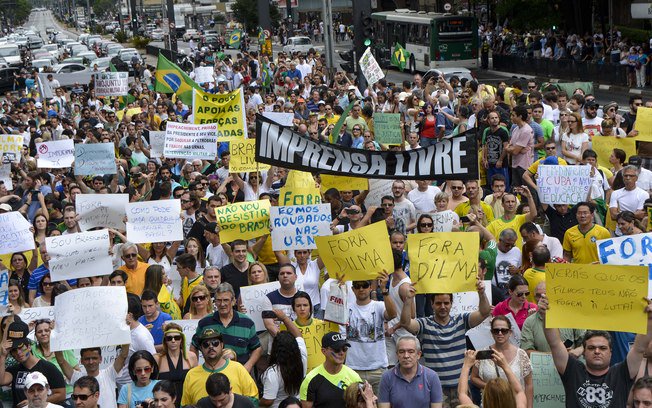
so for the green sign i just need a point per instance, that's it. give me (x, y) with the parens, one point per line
(387, 128)
(548, 388)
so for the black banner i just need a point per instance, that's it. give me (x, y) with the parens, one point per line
(449, 159)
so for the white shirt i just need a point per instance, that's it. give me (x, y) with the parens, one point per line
(632, 200)
(273, 382)
(106, 377)
(644, 179)
(366, 334)
(503, 261)
(553, 245)
(309, 280)
(424, 201)
(216, 256)
(141, 339)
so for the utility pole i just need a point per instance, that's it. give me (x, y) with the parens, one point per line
(172, 26)
(328, 36)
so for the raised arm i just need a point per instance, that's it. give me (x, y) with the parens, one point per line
(559, 351)
(635, 355)
(530, 202)
(484, 309)
(66, 368)
(121, 358)
(407, 321)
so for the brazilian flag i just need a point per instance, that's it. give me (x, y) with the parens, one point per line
(234, 39)
(171, 79)
(124, 100)
(400, 57)
(267, 76)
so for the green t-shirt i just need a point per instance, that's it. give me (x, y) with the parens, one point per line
(489, 255)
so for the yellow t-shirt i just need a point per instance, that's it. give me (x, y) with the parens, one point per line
(535, 166)
(312, 334)
(500, 224)
(168, 305)
(135, 278)
(266, 254)
(194, 386)
(534, 276)
(187, 286)
(582, 246)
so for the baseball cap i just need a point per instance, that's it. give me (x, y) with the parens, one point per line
(35, 377)
(591, 104)
(209, 333)
(301, 100)
(550, 160)
(5, 207)
(17, 333)
(334, 340)
(212, 227)
(402, 96)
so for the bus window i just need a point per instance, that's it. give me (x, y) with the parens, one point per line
(455, 25)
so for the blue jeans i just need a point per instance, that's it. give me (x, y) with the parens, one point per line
(426, 141)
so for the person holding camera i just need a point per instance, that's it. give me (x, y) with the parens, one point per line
(486, 369)
(140, 392)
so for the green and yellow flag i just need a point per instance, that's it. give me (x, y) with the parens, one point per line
(234, 39)
(171, 79)
(400, 57)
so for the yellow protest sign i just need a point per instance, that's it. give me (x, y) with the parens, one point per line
(245, 220)
(643, 124)
(299, 179)
(604, 145)
(359, 254)
(444, 262)
(649, 219)
(243, 157)
(11, 144)
(129, 113)
(227, 110)
(598, 297)
(343, 183)
(299, 196)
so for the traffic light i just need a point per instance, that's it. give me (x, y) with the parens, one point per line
(349, 58)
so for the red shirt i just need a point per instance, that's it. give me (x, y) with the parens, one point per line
(503, 309)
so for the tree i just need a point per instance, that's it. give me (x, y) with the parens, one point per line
(246, 12)
(103, 7)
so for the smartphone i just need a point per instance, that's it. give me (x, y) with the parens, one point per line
(268, 314)
(568, 343)
(464, 219)
(484, 355)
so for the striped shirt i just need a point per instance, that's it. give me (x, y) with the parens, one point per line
(239, 336)
(444, 346)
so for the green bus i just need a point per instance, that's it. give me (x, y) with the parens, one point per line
(434, 39)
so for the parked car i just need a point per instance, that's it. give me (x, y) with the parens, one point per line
(102, 64)
(210, 41)
(7, 79)
(67, 68)
(52, 49)
(157, 34)
(41, 64)
(191, 33)
(127, 54)
(299, 44)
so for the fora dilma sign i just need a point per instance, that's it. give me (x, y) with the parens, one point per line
(641, 10)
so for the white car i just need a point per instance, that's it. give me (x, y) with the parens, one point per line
(299, 44)
(40, 64)
(157, 34)
(52, 49)
(126, 55)
(448, 73)
(70, 67)
(191, 33)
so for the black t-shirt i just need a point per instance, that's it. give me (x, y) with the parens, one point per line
(586, 391)
(560, 223)
(629, 120)
(494, 142)
(19, 372)
(239, 401)
(237, 279)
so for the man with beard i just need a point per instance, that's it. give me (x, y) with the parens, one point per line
(591, 122)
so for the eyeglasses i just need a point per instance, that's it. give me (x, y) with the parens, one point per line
(210, 343)
(129, 256)
(145, 370)
(521, 294)
(572, 121)
(501, 331)
(364, 285)
(198, 298)
(313, 133)
(81, 397)
(551, 148)
(356, 129)
(426, 225)
(186, 201)
(352, 211)
(172, 338)
(456, 187)
(48, 284)
(387, 205)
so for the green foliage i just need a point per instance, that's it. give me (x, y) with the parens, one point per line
(102, 7)
(21, 12)
(246, 12)
(140, 42)
(120, 36)
(637, 35)
(528, 14)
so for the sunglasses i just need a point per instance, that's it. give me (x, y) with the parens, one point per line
(136, 175)
(172, 338)
(81, 397)
(387, 205)
(145, 370)
(211, 343)
(48, 284)
(501, 331)
(521, 294)
(426, 225)
(186, 201)
(198, 298)
(352, 211)
(129, 256)
(456, 188)
(364, 285)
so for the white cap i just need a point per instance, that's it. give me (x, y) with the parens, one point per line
(35, 378)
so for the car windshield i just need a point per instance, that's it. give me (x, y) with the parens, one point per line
(302, 41)
(8, 52)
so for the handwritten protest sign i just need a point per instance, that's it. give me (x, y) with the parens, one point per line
(377, 189)
(626, 250)
(227, 111)
(604, 145)
(4, 293)
(188, 141)
(297, 180)
(244, 220)
(5, 176)
(94, 158)
(243, 157)
(299, 196)
(101, 210)
(370, 68)
(358, 254)
(111, 83)
(90, 317)
(10, 146)
(548, 388)
(387, 128)
(55, 154)
(15, 235)
(295, 227)
(30, 314)
(282, 118)
(443, 221)
(605, 298)
(204, 74)
(79, 255)
(643, 124)
(467, 302)
(154, 221)
(563, 184)
(156, 143)
(254, 298)
(343, 183)
(443, 262)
